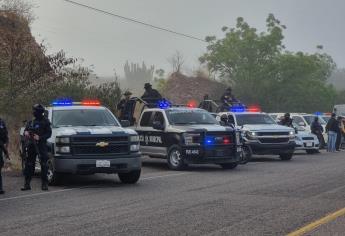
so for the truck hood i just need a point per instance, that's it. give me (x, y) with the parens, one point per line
(267, 128)
(97, 130)
(199, 128)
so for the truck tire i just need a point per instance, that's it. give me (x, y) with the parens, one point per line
(175, 158)
(130, 177)
(229, 166)
(54, 178)
(286, 156)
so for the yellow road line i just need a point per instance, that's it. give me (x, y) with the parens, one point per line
(318, 223)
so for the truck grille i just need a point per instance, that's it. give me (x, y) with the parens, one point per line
(274, 140)
(272, 133)
(92, 150)
(219, 152)
(219, 138)
(87, 145)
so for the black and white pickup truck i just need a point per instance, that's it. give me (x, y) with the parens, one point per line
(185, 136)
(88, 139)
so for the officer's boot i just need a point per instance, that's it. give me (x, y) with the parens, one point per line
(26, 185)
(44, 186)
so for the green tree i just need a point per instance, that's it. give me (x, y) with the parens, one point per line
(260, 71)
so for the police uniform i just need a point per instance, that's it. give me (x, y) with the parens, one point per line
(151, 96)
(41, 127)
(3, 141)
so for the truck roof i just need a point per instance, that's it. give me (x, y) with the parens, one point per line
(77, 107)
(174, 109)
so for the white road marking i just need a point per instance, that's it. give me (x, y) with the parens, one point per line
(70, 189)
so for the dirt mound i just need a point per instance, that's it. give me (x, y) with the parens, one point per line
(180, 88)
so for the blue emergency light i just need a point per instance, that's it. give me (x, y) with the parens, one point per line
(164, 104)
(318, 113)
(238, 108)
(62, 102)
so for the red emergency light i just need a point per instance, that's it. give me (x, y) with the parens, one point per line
(90, 102)
(254, 108)
(192, 104)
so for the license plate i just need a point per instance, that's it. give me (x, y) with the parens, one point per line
(309, 144)
(102, 163)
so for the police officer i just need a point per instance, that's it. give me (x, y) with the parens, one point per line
(286, 121)
(227, 99)
(122, 106)
(36, 133)
(3, 149)
(317, 129)
(150, 95)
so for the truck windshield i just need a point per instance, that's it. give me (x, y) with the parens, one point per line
(83, 117)
(311, 118)
(190, 116)
(254, 119)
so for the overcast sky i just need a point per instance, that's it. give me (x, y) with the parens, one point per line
(107, 42)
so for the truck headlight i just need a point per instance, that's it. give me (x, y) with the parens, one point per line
(251, 135)
(63, 149)
(134, 138)
(189, 138)
(135, 148)
(64, 140)
(292, 134)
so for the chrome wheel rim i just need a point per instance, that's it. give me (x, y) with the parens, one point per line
(175, 158)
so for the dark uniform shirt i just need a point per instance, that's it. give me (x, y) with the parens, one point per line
(3, 132)
(286, 122)
(40, 127)
(316, 127)
(151, 96)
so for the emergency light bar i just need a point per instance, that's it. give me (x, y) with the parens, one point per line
(69, 102)
(163, 104)
(242, 108)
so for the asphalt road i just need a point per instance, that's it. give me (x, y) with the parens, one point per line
(264, 197)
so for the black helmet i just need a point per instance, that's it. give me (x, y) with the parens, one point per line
(147, 85)
(287, 115)
(38, 110)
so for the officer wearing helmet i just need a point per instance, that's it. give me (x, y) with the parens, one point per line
(37, 132)
(151, 96)
(286, 121)
(227, 99)
(122, 106)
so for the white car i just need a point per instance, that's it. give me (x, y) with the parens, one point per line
(306, 141)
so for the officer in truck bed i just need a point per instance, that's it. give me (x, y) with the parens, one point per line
(151, 96)
(36, 134)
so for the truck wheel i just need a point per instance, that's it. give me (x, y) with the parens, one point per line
(53, 177)
(286, 156)
(130, 177)
(246, 154)
(175, 159)
(229, 166)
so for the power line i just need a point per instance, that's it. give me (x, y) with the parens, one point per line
(134, 20)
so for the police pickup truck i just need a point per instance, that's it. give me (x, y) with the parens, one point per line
(88, 139)
(261, 133)
(185, 135)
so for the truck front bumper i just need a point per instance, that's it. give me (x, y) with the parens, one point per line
(271, 149)
(87, 165)
(202, 155)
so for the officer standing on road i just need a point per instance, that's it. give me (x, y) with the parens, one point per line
(3, 149)
(332, 130)
(36, 133)
(317, 129)
(122, 106)
(286, 121)
(150, 95)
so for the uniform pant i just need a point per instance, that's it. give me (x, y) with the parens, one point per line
(1, 166)
(30, 161)
(332, 138)
(338, 142)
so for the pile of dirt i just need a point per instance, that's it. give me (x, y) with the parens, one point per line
(181, 89)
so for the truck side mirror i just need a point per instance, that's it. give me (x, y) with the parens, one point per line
(301, 123)
(125, 123)
(157, 125)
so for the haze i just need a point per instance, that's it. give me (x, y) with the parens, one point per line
(107, 42)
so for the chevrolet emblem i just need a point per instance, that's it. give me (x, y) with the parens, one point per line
(102, 144)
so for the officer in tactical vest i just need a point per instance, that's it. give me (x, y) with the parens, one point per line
(151, 96)
(3, 149)
(122, 106)
(36, 134)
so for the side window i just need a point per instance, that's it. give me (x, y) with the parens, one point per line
(298, 120)
(145, 119)
(159, 117)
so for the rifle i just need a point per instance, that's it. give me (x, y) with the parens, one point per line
(4, 149)
(32, 131)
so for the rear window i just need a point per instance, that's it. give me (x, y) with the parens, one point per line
(83, 117)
